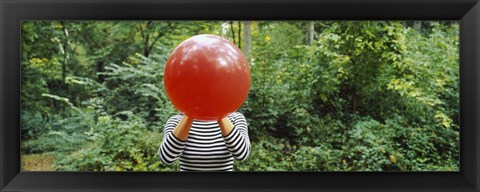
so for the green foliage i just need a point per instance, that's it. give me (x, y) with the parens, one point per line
(116, 145)
(57, 134)
(138, 87)
(123, 143)
(32, 124)
(364, 96)
(336, 96)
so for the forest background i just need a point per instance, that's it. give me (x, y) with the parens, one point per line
(324, 95)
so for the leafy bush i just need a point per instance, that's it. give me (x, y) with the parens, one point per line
(32, 124)
(116, 145)
(58, 134)
(264, 152)
(364, 96)
(138, 87)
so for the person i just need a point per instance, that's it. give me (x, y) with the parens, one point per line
(205, 145)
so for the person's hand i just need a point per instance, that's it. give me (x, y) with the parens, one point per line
(226, 126)
(187, 118)
(183, 128)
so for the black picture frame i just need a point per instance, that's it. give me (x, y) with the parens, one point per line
(14, 11)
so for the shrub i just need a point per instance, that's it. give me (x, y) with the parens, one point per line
(117, 145)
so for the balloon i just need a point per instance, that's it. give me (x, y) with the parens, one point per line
(207, 77)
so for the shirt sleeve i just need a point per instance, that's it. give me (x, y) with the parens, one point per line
(237, 141)
(171, 147)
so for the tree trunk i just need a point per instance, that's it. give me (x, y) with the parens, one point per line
(247, 38)
(64, 48)
(100, 69)
(354, 100)
(148, 39)
(311, 32)
(239, 35)
(64, 52)
(417, 25)
(146, 52)
(233, 32)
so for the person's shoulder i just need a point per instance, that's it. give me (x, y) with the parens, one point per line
(237, 115)
(177, 117)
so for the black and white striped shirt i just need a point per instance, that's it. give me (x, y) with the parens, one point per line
(206, 149)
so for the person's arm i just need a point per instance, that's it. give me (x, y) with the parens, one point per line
(183, 128)
(174, 139)
(235, 133)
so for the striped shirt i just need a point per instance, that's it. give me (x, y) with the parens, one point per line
(206, 149)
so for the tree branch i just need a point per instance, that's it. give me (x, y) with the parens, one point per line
(233, 32)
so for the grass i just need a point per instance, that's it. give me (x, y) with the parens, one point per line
(37, 162)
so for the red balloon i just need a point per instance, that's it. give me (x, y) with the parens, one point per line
(207, 77)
